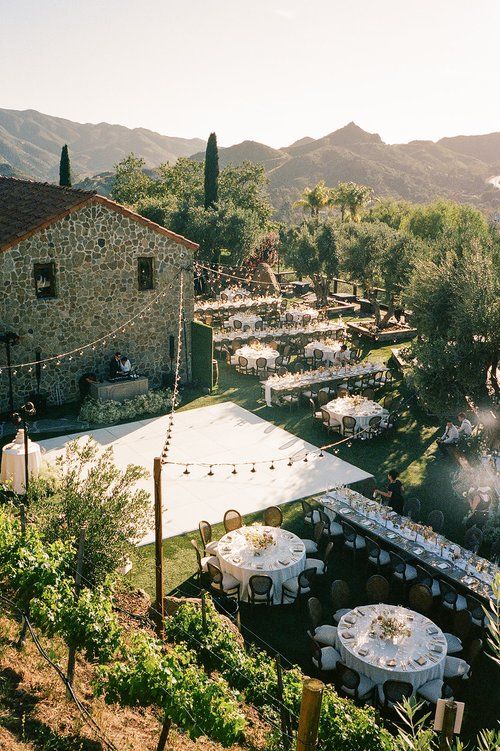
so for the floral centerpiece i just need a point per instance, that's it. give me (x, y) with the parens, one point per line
(259, 539)
(389, 627)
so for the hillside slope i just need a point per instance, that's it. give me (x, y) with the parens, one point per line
(31, 142)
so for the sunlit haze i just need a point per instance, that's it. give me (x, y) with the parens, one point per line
(268, 70)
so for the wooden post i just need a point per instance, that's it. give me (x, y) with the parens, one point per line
(286, 729)
(159, 575)
(310, 708)
(446, 738)
(70, 673)
(164, 734)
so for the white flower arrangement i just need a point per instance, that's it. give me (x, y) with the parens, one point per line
(389, 627)
(259, 539)
(107, 412)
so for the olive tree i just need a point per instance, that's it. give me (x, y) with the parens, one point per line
(311, 250)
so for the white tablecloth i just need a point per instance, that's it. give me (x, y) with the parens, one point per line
(400, 653)
(291, 381)
(13, 469)
(299, 313)
(329, 350)
(253, 355)
(281, 561)
(281, 333)
(247, 319)
(362, 412)
(232, 292)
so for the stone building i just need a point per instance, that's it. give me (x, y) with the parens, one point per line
(74, 266)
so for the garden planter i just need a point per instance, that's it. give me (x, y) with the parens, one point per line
(394, 332)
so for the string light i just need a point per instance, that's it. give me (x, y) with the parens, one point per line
(102, 340)
(177, 378)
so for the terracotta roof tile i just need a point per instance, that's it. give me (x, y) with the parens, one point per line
(26, 206)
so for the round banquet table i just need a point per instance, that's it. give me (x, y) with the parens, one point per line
(281, 561)
(247, 319)
(383, 659)
(232, 292)
(329, 350)
(13, 469)
(253, 355)
(363, 412)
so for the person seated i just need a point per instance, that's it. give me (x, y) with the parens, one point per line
(465, 427)
(125, 366)
(394, 492)
(449, 438)
(343, 355)
(115, 366)
(479, 504)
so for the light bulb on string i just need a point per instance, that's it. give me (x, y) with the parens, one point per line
(186, 471)
(253, 469)
(272, 464)
(210, 472)
(305, 458)
(234, 472)
(290, 463)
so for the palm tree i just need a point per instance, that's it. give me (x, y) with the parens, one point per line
(315, 199)
(351, 198)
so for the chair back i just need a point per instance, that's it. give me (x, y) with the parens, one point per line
(318, 354)
(306, 508)
(260, 585)
(306, 578)
(473, 539)
(398, 564)
(411, 508)
(198, 554)
(348, 424)
(236, 344)
(435, 520)
(373, 549)
(214, 573)
(462, 624)
(273, 516)
(237, 324)
(448, 593)
(395, 691)
(325, 416)
(281, 371)
(261, 363)
(315, 611)
(205, 529)
(340, 594)
(423, 577)
(388, 401)
(259, 325)
(420, 598)
(232, 520)
(368, 394)
(242, 361)
(348, 679)
(378, 588)
(306, 319)
(323, 398)
(318, 530)
(475, 608)
(474, 650)
(374, 422)
(349, 532)
(289, 318)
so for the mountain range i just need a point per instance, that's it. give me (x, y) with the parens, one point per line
(457, 168)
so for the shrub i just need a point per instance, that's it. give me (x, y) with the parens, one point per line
(106, 412)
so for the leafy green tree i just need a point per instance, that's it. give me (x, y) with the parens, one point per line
(389, 212)
(183, 181)
(377, 256)
(455, 305)
(315, 199)
(211, 172)
(351, 198)
(311, 250)
(131, 184)
(454, 225)
(245, 186)
(64, 168)
(91, 491)
(158, 209)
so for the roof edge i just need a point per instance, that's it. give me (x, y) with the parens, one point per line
(96, 198)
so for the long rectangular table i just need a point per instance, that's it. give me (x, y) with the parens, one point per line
(283, 333)
(443, 558)
(278, 386)
(119, 390)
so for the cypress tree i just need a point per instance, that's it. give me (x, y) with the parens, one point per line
(211, 171)
(64, 168)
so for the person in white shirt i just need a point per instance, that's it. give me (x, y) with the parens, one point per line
(465, 429)
(449, 437)
(343, 355)
(125, 365)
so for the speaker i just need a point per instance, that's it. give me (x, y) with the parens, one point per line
(171, 346)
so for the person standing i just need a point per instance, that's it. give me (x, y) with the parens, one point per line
(115, 366)
(393, 492)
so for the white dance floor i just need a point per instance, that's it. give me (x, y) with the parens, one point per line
(220, 433)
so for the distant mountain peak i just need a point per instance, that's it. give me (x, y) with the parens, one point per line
(351, 134)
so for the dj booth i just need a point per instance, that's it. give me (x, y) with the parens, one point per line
(120, 389)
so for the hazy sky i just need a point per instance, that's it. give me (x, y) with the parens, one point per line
(268, 70)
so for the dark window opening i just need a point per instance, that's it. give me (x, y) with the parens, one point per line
(101, 242)
(45, 280)
(145, 271)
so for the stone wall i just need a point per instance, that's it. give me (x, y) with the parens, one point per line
(95, 251)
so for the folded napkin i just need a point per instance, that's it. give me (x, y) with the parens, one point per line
(350, 619)
(259, 566)
(391, 535)
(436, 648)
(432, 630)
(362, 651)
(443, 565)
(347, 635)
(284, 562)
(420, 660)
(297, 550)
(391, 663)
(418, 551)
